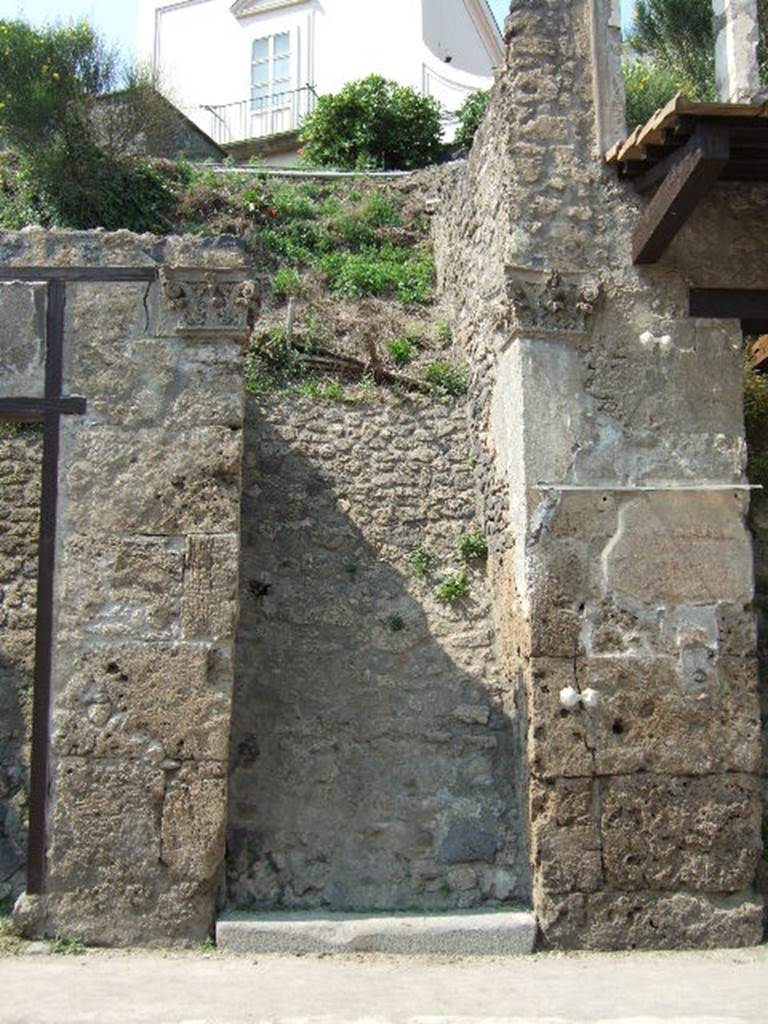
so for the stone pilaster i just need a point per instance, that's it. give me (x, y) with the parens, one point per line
(146, 584)
(736, 40)
(612, 423)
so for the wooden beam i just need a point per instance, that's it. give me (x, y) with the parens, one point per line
(112, 274)
(690, 174)
(746, 304)
(33, 410)
(746, 170)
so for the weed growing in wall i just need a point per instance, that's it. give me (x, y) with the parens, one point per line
(325, 391)
(9, 430)
(472, 546)
(271, 364)
(422, 561)
(454, 589)
(67, 945)
(444, 333)
(446, 380)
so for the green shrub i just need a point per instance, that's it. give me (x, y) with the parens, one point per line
(648, 87)
(454, 589)
(287, 283)
(402, 351)
(373, 123)
(446, 380)
(73, 163)
(472, 546)
(470, 114)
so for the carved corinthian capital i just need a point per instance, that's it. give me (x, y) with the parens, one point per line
(209, 302)
(548, 304)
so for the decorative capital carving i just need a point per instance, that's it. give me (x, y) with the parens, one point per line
(551, 305)
(209, 302)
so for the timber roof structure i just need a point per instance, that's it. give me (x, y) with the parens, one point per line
(680, 153)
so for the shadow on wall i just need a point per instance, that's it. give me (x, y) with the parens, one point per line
(375, 754)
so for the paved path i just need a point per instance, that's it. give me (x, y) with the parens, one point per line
(145, 988)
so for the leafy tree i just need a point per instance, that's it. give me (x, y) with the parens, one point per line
(371, 123)
(470, 114)
(677, 37)
(51, 82)
(648, 87)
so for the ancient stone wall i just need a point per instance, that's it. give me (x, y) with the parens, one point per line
(611, 425)
(375, 750)
(145, 585)
(20, 455)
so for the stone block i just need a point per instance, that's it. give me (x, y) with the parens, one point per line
(558, 574)
(565, 841)
(667, 833)
(157, 481)
(209, 606)
(135, 381)
(120, 587)
(194, 822)
(622, 921)
(681, 549)
(22, 340)
(651, 717)
(135, 701)
(105, 826)
(561, 742)
(468, 841)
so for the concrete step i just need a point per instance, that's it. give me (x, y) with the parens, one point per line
(465, 933)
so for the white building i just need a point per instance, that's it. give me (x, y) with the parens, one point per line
(250, 70)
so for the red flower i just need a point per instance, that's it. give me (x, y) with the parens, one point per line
(273, 213)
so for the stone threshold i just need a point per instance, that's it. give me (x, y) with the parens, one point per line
(464, 933)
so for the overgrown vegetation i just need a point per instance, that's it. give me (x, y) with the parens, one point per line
(649, 86)
(756, 424)
(345, 268)
(69, 164)
(373, 123)
(676, 44)
(470, 114)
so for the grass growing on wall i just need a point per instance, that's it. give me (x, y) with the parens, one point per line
(341, 266)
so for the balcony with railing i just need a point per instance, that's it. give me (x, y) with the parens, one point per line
(260, 117)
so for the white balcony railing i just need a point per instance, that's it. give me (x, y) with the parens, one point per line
(261, 117)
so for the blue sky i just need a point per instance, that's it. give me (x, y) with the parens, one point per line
(117, 18)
